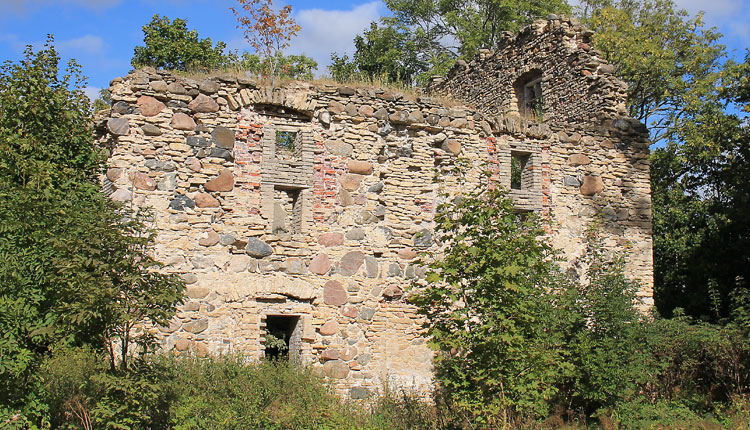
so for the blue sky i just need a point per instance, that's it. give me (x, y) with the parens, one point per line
(101, 34)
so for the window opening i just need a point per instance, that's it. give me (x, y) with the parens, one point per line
(283, 337)
(286, 140)
(533, 101)
(528, 89)
(523, 215)
(287, 210)
(520, 174)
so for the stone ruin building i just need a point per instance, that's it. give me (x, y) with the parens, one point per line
(298, 209)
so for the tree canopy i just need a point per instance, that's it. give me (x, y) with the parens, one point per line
(423, 38)
(169, 45)
(75, 267)
(682, 84)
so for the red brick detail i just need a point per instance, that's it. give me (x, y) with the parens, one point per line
(326, 171)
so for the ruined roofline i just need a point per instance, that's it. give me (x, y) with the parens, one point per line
(579, 86)
(573, 30)
(324, 85)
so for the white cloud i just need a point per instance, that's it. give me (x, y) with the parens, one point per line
(87, 44)
(92, 92)
(731, 17)
(327, 31)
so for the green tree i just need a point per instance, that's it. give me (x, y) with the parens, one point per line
(670, 61)
(468, 26)
(606, 334)
(490, 309)
(169, 45)
(424, 37)
(103, 101)
(389, 52)
(75, 268)
(701, 194)
(683, 86)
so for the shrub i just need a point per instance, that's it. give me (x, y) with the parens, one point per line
(605, 333)
(229, 393)
(489, 308)
(701, 364)
(84, 391)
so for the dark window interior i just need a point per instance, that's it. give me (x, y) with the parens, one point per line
(281, 337)
(528, 88)
(518, 171)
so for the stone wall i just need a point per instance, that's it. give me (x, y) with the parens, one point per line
(578, 86)
(594, 159)
(310, 201)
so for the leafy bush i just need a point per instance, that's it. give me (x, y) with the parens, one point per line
(490, 308)
(283, 66)
(84, 391)
(605, 335)
(229, 393)
(76, 269)
(515, 339)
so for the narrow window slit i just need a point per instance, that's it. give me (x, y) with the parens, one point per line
(520, 173)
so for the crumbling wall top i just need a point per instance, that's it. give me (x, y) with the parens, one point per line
(548, 72)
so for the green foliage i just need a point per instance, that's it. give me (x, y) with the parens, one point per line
(605, 332)
(103, 101)
(489, 310)
(277, 343)
(424, 38)
(231, 394)
(169, 45)
(641, 414)
(70, 387)
(45, 136)
(388, 52)
(405, 410)
(695, 102)
(286, 66)
(516, 339)
(702, 364)
(75, 268)
(465, 27)
(84, 392)
(669, 60)
(701, 192)
(49, 164)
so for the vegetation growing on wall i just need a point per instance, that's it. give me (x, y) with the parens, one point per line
(168, 44)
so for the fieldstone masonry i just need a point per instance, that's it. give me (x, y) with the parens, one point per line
(311, 201)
